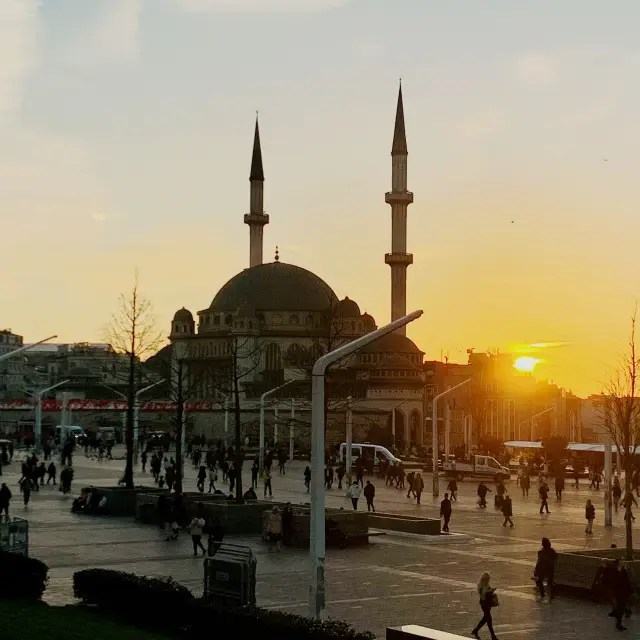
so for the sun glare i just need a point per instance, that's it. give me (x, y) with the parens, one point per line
(525, 363)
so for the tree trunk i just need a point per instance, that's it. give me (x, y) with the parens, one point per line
(130, 444)
(179, 428)
(628, 469)
(239, 456)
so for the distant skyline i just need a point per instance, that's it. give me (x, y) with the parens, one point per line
(125, 142)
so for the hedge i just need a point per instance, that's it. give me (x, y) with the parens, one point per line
(165, 605)
(21, 577)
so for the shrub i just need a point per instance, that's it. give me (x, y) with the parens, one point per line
(21, 577)
(168, 606)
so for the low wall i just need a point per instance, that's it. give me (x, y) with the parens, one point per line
(577, 570)
(416, 632)
(405, 524)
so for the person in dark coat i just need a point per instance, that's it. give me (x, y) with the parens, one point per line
(482, 494)
(545, 567)
(544, 496)
(619, 586)
(507, 510)
(445, 512)
(369, 494)
(5, 499)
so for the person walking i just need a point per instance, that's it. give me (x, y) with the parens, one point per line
(543, 491)
(488, 600)
(5, 499)
(266, 478)
(545, 567)
(307, 477)
(445, 512)
(369, 494)
(354, 493)
(507, 510)
(196, 529)
(559, 487)
(619, 585)
(525, 483)
(453, 488)
(616, 493)
(482, 494)
(590, 515)
(418, 486)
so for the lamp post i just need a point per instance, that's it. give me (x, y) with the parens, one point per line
(349, 441)
(37, 430)
(226, 409)
(317, 601)
(136, 416)
(434, 432)
(263, 397)
(537, 415)
(124, 413)
(393, 423)
(15, 352)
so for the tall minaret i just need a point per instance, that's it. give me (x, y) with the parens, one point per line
(256, 218)
(399, 199)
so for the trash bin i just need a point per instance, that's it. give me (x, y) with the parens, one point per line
(230, 576)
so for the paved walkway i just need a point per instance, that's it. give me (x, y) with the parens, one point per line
(398, 579)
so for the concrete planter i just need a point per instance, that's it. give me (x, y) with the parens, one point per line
(348, 527)
(122, 501)
(577, 570)
(404, 524)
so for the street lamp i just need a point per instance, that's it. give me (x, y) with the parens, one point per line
(263, 397)
(15, 352)
(37, 429)
(434, 432)
(226, 408)
(136, 415)
(393, 423)
(317, 520)
(124, 413)
(537, 415)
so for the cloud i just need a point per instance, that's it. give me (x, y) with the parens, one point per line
(258, 6)
(479, 126)
(535, 69)
(18, 50)
(111, 37)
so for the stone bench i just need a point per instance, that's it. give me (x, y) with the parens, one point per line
(415, 632)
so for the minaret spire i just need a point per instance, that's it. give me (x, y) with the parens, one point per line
(256, 218)
(399, 198)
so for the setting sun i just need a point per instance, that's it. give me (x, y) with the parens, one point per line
(525, 363)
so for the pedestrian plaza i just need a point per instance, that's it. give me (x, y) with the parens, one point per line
(396, 579)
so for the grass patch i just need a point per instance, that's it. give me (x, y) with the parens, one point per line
(37, 621)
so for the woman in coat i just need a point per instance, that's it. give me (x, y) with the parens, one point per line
(488, 600)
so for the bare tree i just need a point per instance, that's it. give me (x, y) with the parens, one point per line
(132, 331)
(332, 332)
(620, 418)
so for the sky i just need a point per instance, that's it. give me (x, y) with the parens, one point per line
(125, 142)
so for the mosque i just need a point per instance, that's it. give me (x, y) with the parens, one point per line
(272, 319)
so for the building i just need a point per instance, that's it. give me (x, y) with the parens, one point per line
(269, 323)
(12, 369)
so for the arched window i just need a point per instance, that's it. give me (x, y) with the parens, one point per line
(309, 320)
(260, 317)
(293, 319)
(216, 320)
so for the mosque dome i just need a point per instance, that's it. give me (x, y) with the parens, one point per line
(348, 308)
(183, 315)
(275, 286)
(394, 343)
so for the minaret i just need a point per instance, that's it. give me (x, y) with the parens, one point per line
(256, 218)
(399, 199)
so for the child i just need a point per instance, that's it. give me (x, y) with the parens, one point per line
(590, 515)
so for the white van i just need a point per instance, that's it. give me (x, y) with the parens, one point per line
(62, 432)
(369, 453)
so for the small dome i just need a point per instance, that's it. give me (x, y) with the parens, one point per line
(368, 321)
(183, 315)
(348, 308)
(392, 343)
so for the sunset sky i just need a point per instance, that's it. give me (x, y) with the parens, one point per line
(125, 141)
